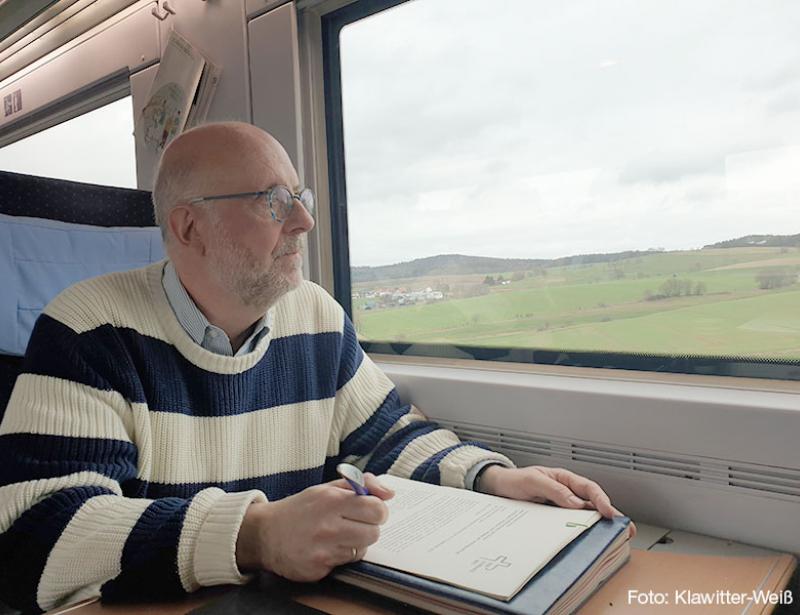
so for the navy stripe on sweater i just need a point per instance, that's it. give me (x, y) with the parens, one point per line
(55, 350)
(26, 545)
(352, 355)
(27, 456)
(428, 470)
(389, 450)
(364, 439)
(149, 555)
(294, 369)
(275, 486)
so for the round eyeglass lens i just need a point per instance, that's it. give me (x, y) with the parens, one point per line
(280, 200)
(307, 199)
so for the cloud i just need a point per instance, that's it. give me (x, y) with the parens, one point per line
(764, 171)
(440, 200)
(568, 129)
(785, 102)
(672, 167)
(775, 77)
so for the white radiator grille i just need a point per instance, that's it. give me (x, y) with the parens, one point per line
(776, 480)
(735, 474)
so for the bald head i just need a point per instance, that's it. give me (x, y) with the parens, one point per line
(215, 159)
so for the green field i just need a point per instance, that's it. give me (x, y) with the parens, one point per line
(609, 306)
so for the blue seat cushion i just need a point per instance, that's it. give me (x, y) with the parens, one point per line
(39, 258)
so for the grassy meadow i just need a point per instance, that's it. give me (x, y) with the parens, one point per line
(623, 305)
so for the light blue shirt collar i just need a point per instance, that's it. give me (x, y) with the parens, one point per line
(195, 323)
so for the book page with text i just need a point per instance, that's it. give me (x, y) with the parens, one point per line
(480, 542)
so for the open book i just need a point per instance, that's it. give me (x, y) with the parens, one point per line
(456, 551)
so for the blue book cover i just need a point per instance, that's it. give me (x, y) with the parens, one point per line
(537, 597)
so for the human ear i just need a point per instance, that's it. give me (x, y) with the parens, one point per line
(186, 228)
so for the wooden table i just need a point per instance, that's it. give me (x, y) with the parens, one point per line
(663, 572)
(328, 597)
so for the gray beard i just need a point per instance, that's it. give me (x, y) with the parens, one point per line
(240, 273)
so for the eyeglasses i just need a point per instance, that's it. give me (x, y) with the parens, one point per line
(279, 200)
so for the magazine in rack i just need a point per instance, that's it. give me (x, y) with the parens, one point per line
(181, 92)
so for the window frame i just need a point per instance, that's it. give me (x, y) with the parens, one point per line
(76, 105)
(80, 102)
(332, 24)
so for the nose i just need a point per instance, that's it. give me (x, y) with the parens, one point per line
(299, 220)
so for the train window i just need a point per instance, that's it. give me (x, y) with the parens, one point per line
(96, 147)
(593, 184)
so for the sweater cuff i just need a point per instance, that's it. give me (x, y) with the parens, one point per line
(215, 551)
(454, 468)
(476, 470)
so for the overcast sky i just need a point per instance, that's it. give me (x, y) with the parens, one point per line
(524, 128)
(531, 129)
(97, 147)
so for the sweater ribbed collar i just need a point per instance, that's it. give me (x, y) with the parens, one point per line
(184, 343)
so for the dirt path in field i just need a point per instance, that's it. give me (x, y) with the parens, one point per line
(770, 262)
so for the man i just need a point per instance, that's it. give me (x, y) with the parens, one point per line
(176, 425)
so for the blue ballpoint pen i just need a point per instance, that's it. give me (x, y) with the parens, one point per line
(354, 478)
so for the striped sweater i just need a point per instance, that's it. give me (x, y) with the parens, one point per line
(128, 453)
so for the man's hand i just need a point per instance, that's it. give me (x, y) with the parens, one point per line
(304, 536)
(556, 485)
